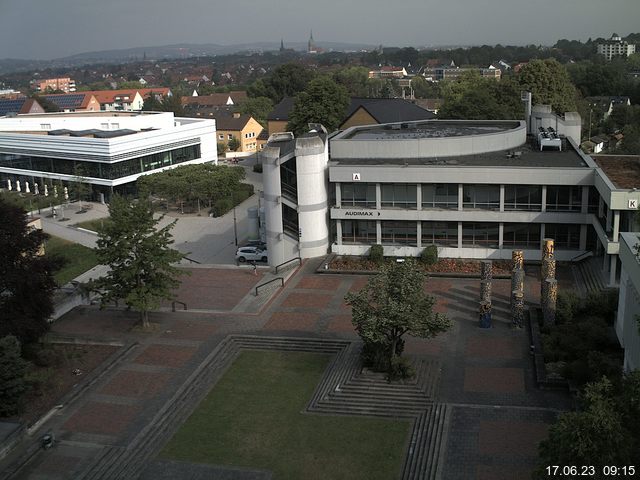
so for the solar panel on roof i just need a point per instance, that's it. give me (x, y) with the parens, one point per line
(66, 101)
(11, 106)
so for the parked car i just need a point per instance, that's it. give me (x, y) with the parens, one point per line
(251, 254)
(256, 243)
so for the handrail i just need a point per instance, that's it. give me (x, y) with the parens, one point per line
(270, 281)
(289, 261)
(173, 305)
(192, 260)
(577, 258)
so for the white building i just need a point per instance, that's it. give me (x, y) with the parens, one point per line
(615, 47)
(627, 324)
(112, 149)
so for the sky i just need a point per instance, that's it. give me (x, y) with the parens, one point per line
(39, 29)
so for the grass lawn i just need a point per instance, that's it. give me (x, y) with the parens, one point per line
(253, 418)
(79, 258)
(92, 225)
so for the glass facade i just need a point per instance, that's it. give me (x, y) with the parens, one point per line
(481, 197)
(523, 197)
(358, 195)
(443, 196)
(399, 195)
(399, 233)
(289, 179)
(358, 231)
(479, 234)
(443, 234)
(106, 170)
(567, 237)
(564, 198)
(521, 235)
(290, 221)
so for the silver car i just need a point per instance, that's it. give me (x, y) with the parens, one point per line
(251, 254)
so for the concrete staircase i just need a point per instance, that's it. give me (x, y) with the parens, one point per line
(589, 276)
(344, 390)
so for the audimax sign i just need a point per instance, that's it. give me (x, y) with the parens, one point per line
(360, 213)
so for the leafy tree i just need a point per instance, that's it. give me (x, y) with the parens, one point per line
(631, 141)
(424, 89)
(222, 148)
(234, 144)
(26, 279)
(595, 436)
(140, 260)
(80, 188)
(549, 83)
(324, 101)
(258, 108)
(12, 371)
(167, 104)
(354, 79)
(392, 304)
(286, 81)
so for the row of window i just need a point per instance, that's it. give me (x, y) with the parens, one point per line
(109, 171)
(474, 234)
(474, 197)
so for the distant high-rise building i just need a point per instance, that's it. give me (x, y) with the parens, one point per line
(615, 47)
(67, 85)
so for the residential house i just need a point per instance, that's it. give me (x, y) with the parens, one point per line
(66, 84)
(19, 105)
(74, 102)
(388, 72)
(615, 47)
(244, 128)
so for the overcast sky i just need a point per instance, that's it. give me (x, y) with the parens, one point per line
(52, 29)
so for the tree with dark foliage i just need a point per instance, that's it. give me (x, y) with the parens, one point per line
(26, 278)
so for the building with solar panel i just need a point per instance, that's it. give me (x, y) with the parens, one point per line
(111, 149)
(74, 102)
(15, 106)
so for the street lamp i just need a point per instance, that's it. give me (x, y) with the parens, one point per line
(235, 226)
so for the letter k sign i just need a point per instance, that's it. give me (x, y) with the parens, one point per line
(633, 204)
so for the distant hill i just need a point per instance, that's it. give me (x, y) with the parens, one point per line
(184, 50)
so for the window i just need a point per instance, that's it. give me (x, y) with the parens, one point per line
(564, 199)
(444, 195)
(358, 195)
(443, 234)
(399, 195)
(221, 137)
(399, 233)
(358, 232)
(523, 197)
(229, 136)
(521, 235)
(45, 126)
(566, 237)
(480, 235)
(481, 197)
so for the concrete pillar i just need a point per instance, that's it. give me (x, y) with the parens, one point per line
(616, 226)
(419, 234)
(500, 235)
(501, 199)
(583, 237)
(517, 259)
(378, 198)
(547, 248)
(419, 196)
(548, 269)
(485, 314)
(517, 310)
(549, 301)
(486, 270)
(339, 232)
(517, 280)
(485, 291)
(459, 234)
(544, 200)
(338, 195)
(584, 208)
(460, 196)
(378, 232)
(542, 233)
(612, 271)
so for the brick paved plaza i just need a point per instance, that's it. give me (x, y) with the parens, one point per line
(497, 414)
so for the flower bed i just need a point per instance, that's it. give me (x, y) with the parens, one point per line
(444, 265)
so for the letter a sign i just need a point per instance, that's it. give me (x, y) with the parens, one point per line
(355, 177)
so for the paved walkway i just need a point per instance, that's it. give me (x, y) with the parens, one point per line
(497, 414)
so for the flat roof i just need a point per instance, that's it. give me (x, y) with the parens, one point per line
(622, 170)
(430, 129)
(525, 155)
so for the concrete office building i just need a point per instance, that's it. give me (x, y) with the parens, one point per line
(476, 189)
(629, 301)
(112, 149)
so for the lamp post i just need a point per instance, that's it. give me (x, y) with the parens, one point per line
(235, 226)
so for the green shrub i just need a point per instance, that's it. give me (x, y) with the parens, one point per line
(567, 306)
(602, 304)
(376, 253)
(12, 372)
(429, 255)
(222, 206)
(400, 368)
